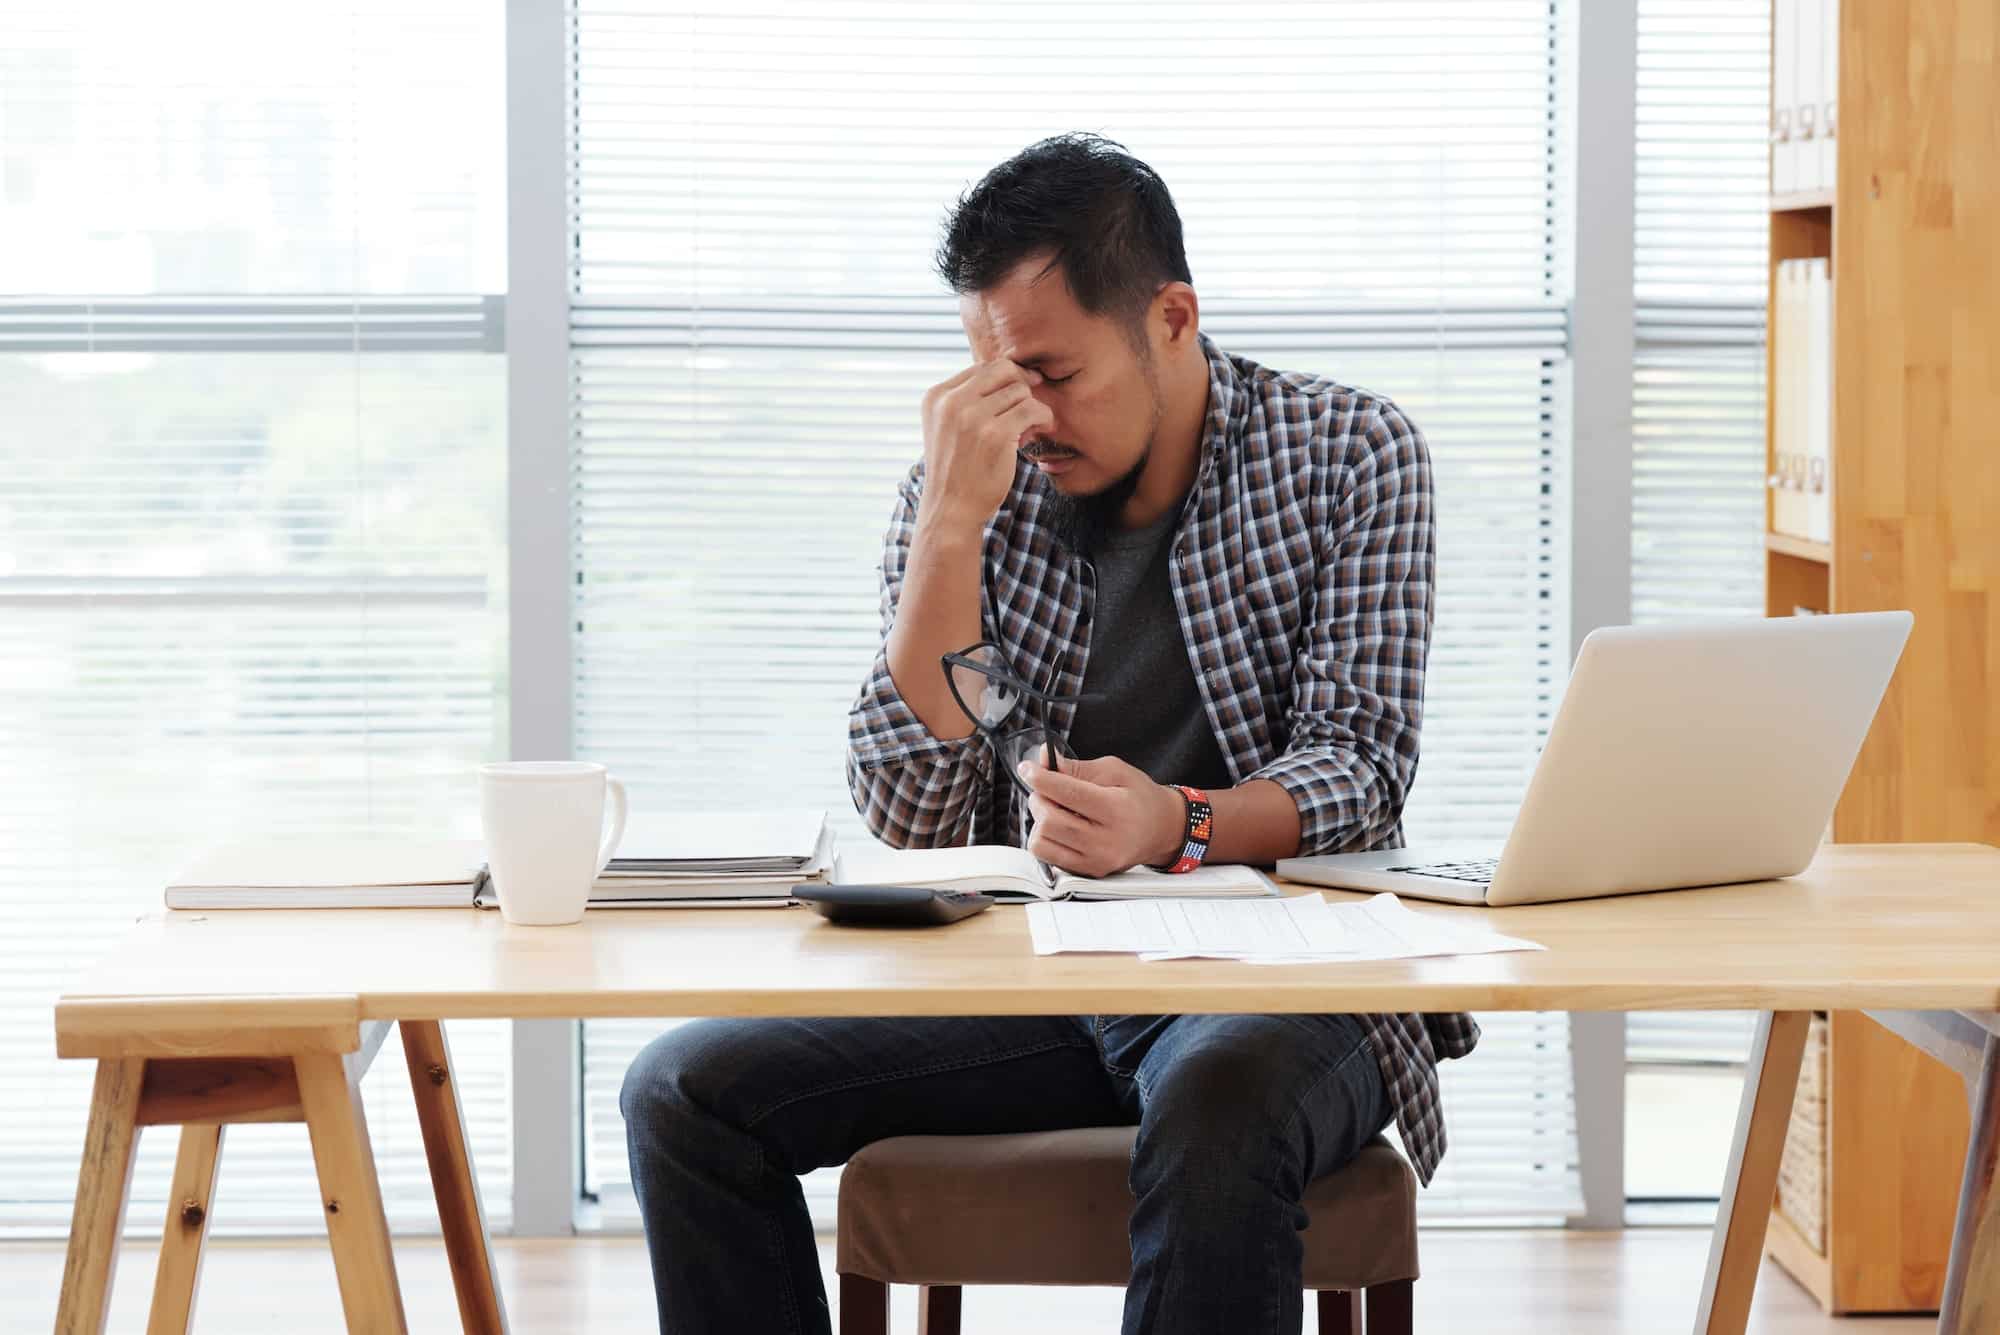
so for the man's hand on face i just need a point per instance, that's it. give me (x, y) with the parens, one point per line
(973, 423)
(1099, 817)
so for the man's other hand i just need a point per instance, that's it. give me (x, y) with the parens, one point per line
(1100, 817)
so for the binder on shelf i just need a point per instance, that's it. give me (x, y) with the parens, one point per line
(1805, 65)
(1805, 92)
(1819, 401)
(1784, 98)
(1787, 406)
(1829, 91)
(1802, 402)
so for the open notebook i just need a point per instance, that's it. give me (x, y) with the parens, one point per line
(1009, 873)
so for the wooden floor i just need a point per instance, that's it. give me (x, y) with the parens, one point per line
(1640, 1282)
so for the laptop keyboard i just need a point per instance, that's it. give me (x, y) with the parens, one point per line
(1479, 871)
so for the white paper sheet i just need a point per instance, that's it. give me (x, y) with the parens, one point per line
(1175, 926)
(1303, 929)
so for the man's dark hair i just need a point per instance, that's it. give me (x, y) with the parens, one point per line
(1106, 216)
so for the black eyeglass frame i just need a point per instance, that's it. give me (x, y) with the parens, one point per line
(1003, 673)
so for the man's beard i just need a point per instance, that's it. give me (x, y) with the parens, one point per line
(1080, 522)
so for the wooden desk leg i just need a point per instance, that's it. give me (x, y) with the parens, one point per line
(1750, 1185)
(103, 1183)
(452, 1180)
(181, 1241)
(350, 1195)
(1972, 1279)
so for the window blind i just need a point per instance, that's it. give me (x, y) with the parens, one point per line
(1699, 278)
(1699, 284)
(1371, 191)
(251, 513)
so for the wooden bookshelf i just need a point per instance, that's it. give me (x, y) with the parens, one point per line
(1909, 230)
(1803, 549)
(1787, 1246)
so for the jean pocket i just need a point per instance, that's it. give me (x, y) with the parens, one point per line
(1124, 1040)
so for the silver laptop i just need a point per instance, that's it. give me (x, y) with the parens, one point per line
(1682, 755)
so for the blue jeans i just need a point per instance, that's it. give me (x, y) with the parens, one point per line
(1236, 1114)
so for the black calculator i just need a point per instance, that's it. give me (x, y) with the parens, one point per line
(891, 905)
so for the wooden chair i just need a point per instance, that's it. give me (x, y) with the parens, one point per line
(1052, 1207)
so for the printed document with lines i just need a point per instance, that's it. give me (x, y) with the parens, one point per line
(1302, 929)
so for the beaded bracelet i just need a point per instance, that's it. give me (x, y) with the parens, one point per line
(1200, 826)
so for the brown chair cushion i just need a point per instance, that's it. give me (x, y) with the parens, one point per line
(1052, 1207)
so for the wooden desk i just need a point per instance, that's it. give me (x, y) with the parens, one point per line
(232, 1016)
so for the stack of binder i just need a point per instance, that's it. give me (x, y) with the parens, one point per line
(713, 859)
(1802, 401)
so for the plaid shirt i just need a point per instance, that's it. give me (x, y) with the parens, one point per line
(1302, 568)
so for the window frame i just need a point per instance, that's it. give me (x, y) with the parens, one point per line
(548, 1109)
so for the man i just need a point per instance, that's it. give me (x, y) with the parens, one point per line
(1210, 575)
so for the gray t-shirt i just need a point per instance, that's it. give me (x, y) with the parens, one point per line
(1151, 713)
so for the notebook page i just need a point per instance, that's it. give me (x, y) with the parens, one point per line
(982, 866)
(1221, 881)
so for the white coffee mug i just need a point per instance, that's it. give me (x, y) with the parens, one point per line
(543, 820)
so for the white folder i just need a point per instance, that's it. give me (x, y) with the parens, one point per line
(1780, 406)
(1788, 402)
(1829, 92)
(1784, 100)
(1806, 98)
(1819, 401)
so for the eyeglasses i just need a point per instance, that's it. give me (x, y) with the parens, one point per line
(992, 694)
